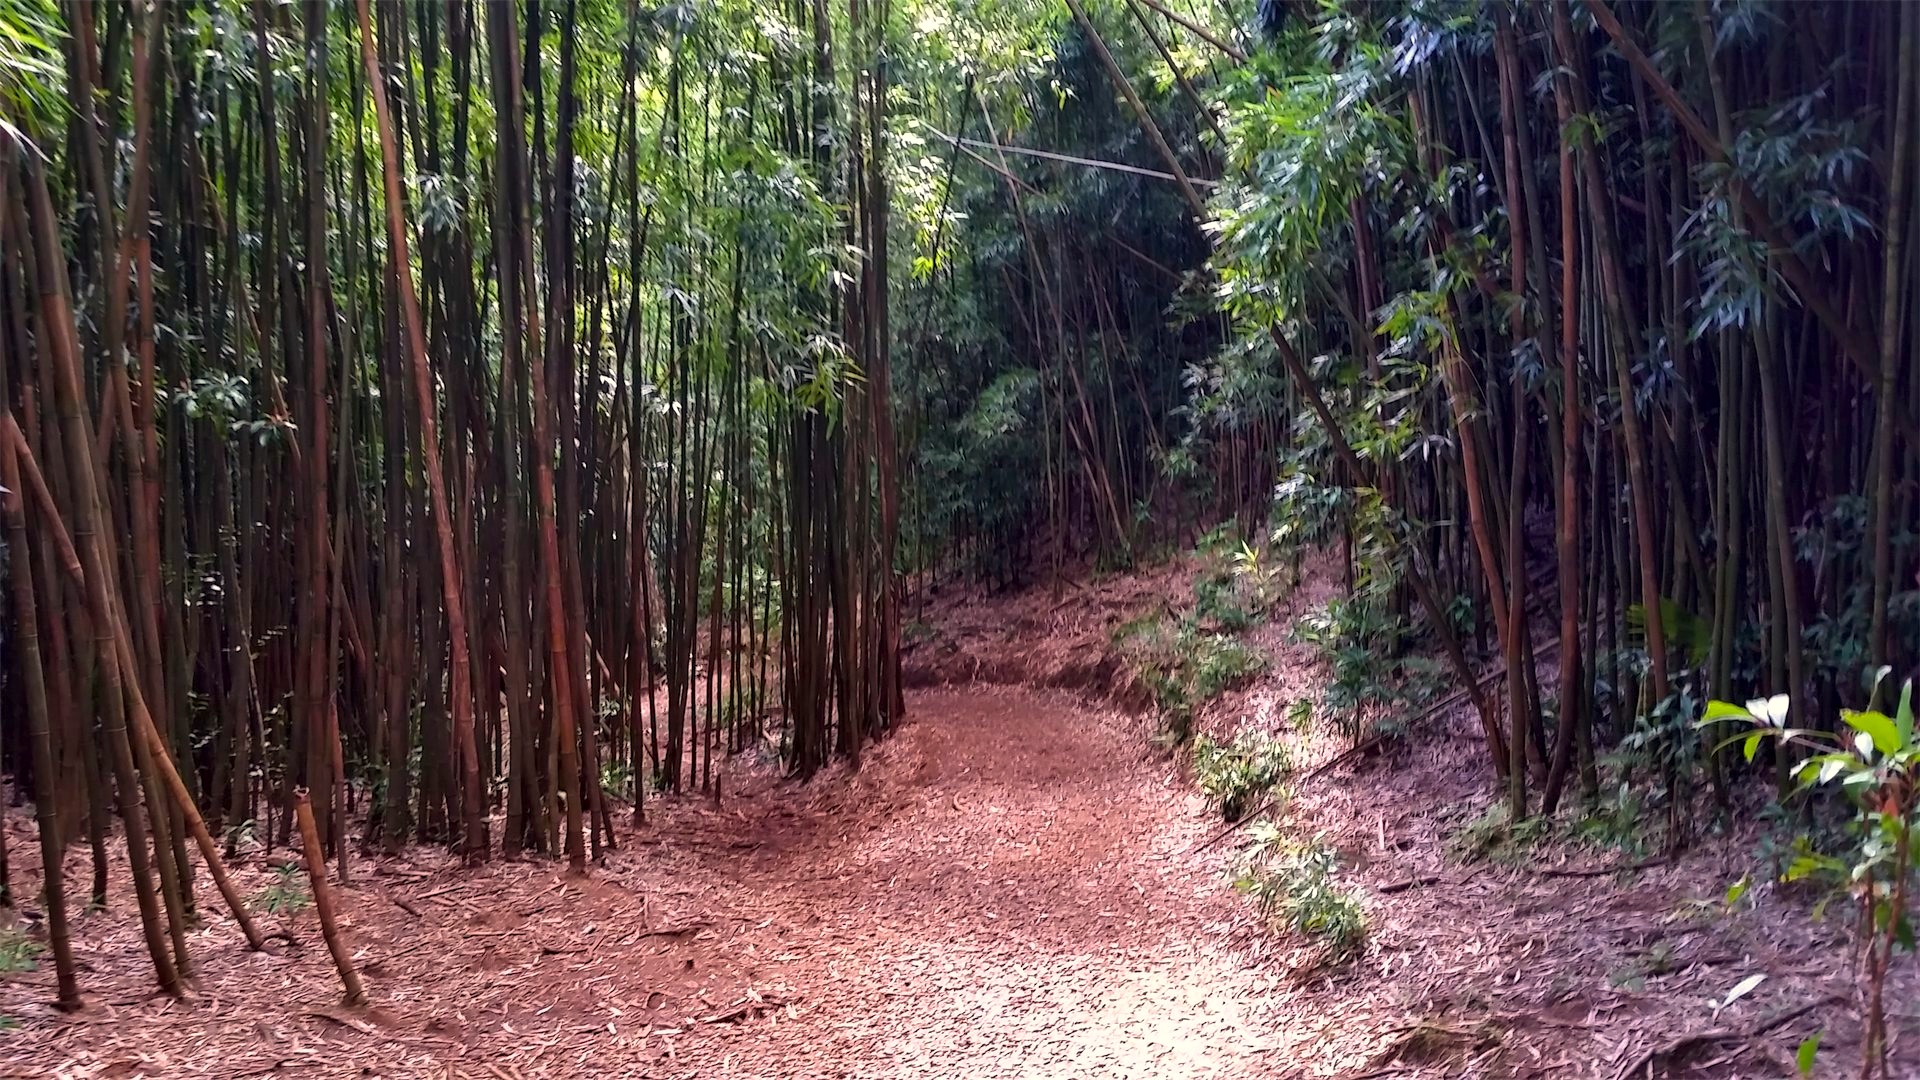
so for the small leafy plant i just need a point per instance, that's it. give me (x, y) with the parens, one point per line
(1235, 775)
(1875, 765)
(1217, 603)
(1183, 666)
(1360, 640)
(1491, 837)
(18, 952)
(1263, 581)
(1300, 714)
(1295, 884)
(286, 894)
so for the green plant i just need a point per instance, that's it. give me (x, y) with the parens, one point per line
(18, 952)
(1360, 640)
(1219, 663)
(1490, 836)
(1222, 537)
(1665, 744)
(1613, 821)
(1295, 883)
(1182, 666)
(1875, 765)
(1300, 714)
(616, 777)
(286, 894)
(1217, 601)
(1263, 581)
(1233, 775)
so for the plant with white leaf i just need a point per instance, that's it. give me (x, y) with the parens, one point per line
(1875, 764)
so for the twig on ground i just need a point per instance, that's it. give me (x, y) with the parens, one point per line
(676, 931)
(1647, 1059)
(746, 1008)
(1603, 871)
(1245, 820)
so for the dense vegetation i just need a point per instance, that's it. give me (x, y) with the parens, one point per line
(452, 408)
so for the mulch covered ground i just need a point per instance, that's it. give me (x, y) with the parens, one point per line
(1007, 888)
(1017, 884)
(1558, 959)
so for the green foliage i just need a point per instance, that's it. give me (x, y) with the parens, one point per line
(1236, 775)
(32, 69)
(1490, 837)
(1613, 821)
(1220, 663)
(1665, 745)
(1300, 714)
(1875, 765)
(1183, 666)
(286, 894)
(18, 952)
(1217, 602)
(1804, 1054)
(616, 777)
(1295, 884)
(1257, 575)
(979, 469)
(1360, 641)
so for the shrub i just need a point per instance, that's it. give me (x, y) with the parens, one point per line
(1360, 641)
(1234, 775)
(1296, 884)
(1220, 663)
(1183, 666)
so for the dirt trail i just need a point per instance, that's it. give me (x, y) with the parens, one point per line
(1009, 887)
(1023, 903)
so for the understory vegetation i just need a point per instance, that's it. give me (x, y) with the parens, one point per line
(1236, 775)
(1185, 661)
(471, 417)
(1295, 883)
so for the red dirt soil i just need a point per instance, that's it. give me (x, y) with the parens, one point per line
(1016, 884)
(1008, 887)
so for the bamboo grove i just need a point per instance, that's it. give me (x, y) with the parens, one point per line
(478, 414)
(1581, 330)
(461, 416)
(1624, 352)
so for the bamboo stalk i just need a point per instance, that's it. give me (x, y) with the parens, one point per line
(355, 993)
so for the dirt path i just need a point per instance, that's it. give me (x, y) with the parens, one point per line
(1016, 899)
(1009, 887)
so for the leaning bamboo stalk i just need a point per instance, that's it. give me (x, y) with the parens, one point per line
(356, 994)
(36, 483)
(161, 758)
(46, 802)
(169, 776)
(60, 358)
(1147, 125)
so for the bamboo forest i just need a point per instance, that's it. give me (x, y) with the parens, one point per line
(915, 538)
